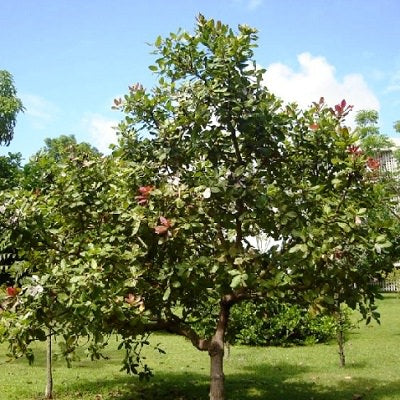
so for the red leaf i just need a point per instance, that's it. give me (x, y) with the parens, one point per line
(372, 163)
(355, 150)
(12, 291)
(314, 127)
(131, 299)
(145, 190)
(142, 200)
(144, 195)
(164, 221)
(343, 104)
(161, 229)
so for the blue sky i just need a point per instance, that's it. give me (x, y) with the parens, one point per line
(71, 58)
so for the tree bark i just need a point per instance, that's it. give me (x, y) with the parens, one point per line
(216, 353)
(217, 378)
(49, 368)
(340, 337)
(340, 340)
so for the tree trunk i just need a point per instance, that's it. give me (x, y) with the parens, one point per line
(49, 368)
(340, 340)
(216, 352)
(340, 336)
(217, 378)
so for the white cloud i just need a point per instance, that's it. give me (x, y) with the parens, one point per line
(316, 78)
(101, 130)
(39, 111)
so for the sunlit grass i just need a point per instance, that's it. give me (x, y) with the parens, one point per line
(298, 373)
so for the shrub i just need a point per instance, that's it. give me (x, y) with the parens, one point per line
(282, 325)
(394, 276)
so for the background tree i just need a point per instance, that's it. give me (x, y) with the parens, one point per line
(40, 170)
(367, 122)
(10, 170)
(372, 141)
(157, 236)
(10, 106)
(396, 126)
(10, 177)
(35, 179)
(58, 236)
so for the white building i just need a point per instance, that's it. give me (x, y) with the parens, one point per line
(386, 157)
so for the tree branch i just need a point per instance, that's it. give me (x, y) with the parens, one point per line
(239, 230)
(178, 328)
(235, 144)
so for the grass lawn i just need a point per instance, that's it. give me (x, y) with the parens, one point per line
(297, 373)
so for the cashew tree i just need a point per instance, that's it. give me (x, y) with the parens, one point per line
(221, 162)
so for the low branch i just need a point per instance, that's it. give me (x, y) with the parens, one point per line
(181, 329)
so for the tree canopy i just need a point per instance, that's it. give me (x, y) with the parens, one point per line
(396, 126)
(10, 170)
(160, 234)
(371, 139)
(10, 106)
(40, 170)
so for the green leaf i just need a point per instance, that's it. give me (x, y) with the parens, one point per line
(291, 214)
(158, 41)
(381, 238)
(302, 247)
(234, 272)
(179, 203)
(167, 293)
(344, 226)
(238, 261)
(236, 281)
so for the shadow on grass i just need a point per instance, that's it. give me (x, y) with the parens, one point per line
(278, 382)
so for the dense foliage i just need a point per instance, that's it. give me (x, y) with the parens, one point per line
(275, 323)
(10, 106)
(10, 170)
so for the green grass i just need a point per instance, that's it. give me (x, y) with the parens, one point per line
(297, 373)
